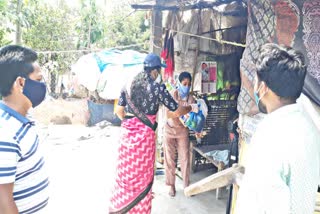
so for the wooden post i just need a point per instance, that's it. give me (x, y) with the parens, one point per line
(192, 158)
(195, 67)
(156, 30)
(215, 181)
(155, 47)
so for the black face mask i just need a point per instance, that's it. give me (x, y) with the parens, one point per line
(35, 91)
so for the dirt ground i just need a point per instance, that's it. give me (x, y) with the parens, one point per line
(81, 163)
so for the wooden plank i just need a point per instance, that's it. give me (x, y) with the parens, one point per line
(317, 208)
(192, 158)
(217, 180)
(202, 150)
(199, 5)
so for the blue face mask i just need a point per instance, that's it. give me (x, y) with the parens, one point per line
(35, 91)
(183, 90)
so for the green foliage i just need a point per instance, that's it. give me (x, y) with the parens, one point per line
(3, 7)
(90, 27)
(123, 30)
(3, 37)
(51, 29)
(60, 27)
(4, 30)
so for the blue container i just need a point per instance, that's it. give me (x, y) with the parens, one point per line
(101, 112)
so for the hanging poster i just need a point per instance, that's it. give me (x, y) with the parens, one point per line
(208, 72)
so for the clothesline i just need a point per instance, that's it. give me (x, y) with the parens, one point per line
(140, 44)
(204, 37)
(90, 50)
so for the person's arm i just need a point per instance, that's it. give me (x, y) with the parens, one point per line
(175, 110)
(7, 204)
(237, 179)
(120, 112)
(120, 109)
(181, 110)
(9, 154)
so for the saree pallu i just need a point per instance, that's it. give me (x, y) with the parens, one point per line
(135, 167)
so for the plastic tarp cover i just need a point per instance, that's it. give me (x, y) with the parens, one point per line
(113, 79)
(87, 71)
(107, 71)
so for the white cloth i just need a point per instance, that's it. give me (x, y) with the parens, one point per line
(114, 78)
(87, 71)
(283, 168)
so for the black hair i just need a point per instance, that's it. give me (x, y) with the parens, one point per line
(12, 65)
(283, 70)
(184, 75)
(139, 89)
(27, 54)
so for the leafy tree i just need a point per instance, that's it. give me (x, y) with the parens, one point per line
(90, 27)
(125, 28)
(4, 29)
(51, 28)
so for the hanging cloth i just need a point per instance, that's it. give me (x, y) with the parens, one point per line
(167, 54)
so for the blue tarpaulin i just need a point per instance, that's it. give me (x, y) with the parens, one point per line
(89, 68)
(126, 58)
(107, 72)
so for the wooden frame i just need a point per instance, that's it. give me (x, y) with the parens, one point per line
(204, 149)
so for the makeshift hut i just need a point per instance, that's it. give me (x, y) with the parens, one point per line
(213, 30)
(211, 35)
(198, 37)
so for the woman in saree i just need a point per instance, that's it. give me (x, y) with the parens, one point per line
(136, 158)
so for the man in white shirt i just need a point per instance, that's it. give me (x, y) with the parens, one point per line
(282, 170)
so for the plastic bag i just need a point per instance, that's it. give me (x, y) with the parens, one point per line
(194, 121)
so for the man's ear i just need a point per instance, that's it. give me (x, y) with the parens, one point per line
(19, 83)
(264, 87)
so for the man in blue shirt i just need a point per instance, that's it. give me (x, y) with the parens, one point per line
(23, 178)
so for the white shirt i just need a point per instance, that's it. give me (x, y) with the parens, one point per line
(283, 165)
